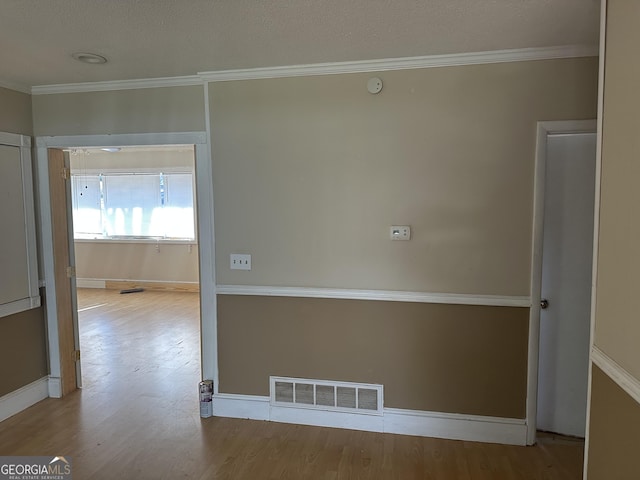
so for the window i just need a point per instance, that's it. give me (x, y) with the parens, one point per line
(87, 211)
(178, 205)
(133, 205)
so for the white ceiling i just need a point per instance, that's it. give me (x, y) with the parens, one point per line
(166, 38)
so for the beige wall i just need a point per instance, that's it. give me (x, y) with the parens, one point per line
(614, 432)
(614, 417)
(153, 110)
(164, 262)
(15, 112)
(617, 326)
(309, 173)
(23, 354)
(445, 358)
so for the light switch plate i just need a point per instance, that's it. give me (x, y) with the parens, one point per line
(239, 261)
(400, 232)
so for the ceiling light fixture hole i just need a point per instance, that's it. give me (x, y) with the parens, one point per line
(91, 58)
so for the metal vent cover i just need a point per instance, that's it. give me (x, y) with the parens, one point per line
(350, 397)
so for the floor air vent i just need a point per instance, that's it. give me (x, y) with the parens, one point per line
(326, 395)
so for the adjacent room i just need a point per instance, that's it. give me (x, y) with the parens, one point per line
(135, 249)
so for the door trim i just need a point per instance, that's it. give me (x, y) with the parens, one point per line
(596, 217)
(543, 130)
(59, 209)
(204, 192)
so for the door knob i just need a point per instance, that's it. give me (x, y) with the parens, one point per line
(544, 303)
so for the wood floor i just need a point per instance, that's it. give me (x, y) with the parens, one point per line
(137, 417)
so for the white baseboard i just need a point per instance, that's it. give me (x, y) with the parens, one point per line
(472, 428)
(90, 283)
(325, 418)
(394, 420)
(24, 397)
(55, 387)
(253, 407)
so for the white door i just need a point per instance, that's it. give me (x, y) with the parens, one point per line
(566, 283)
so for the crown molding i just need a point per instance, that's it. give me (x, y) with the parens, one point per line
(331, 68)
(117, 85)
(430, 61)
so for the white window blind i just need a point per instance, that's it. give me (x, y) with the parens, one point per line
(139, 205)
(178, 218)
(132, 205)
(86, 201)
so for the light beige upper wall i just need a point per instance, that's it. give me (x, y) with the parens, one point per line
(129, 160)
(309, 173)
(617, 326)
(164, 262)
(15, 112)
(152, 110)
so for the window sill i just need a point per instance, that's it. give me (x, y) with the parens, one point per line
(148, 241)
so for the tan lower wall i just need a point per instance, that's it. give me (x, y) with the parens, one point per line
(614, 431)
(444, 358)
(23, 354)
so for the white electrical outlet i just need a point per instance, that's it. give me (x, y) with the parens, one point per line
(240, 262)
(400, 232)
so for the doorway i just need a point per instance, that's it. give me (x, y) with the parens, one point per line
(134, 217)
(59, 355)
(567, 255)
(133, 230)
(561, 287)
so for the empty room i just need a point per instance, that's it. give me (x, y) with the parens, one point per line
(396, 239)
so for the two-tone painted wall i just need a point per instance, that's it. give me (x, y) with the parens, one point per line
(308, 175)
(614, 420)
(23, 353)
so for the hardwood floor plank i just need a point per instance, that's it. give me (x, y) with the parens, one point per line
(137, 417)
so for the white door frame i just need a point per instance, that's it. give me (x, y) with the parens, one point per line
(544, 129)
(204, 193)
